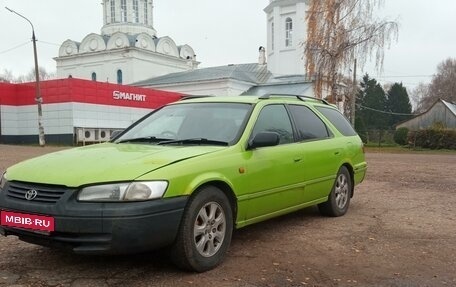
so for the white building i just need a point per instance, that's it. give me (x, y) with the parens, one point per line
(129, 52)
(128, 49)
(280, 68)
(286, 30)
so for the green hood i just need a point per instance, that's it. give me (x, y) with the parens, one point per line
(101, 163)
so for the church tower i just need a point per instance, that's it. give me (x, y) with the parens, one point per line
(130, 17)
(286, 33)
(127, 51)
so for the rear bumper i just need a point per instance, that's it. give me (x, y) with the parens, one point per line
(360, 172)
(119, 228)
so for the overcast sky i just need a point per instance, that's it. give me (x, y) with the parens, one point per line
(224, 32)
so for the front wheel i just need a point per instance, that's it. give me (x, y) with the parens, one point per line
(339, 198)
(205, 232)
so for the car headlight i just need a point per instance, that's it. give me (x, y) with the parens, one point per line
(128, 191)
(2, 181)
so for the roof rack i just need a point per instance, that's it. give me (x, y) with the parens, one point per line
(189, 97)
(300, 97)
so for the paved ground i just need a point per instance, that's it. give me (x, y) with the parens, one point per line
(400, 231)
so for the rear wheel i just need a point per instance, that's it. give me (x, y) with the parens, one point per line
(339, 198)
(205, 232)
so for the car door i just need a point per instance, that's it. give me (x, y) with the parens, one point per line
(319, 152)
(273, 173)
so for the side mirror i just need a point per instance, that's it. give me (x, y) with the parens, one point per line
(115, 134)
(264, 139)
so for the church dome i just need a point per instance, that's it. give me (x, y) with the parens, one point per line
(128, 49)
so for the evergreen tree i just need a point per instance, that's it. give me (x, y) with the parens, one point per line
(371, 101)
(398, 102)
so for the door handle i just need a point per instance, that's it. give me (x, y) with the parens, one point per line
(297, 159)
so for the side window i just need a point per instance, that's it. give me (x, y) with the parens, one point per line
(338, 120)
(123, 10)
(309, 125)
(113, 11)
(272, 36)
(136, 11)
(146, 13)
(288, 32)
(274, 118)
(119, 77)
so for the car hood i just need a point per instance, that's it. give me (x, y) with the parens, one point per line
(99, 163)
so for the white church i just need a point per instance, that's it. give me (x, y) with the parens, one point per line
(129, 51)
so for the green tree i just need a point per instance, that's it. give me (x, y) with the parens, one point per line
(371, 107)
(398, 102)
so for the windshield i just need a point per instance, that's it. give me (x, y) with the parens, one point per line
(207, 122)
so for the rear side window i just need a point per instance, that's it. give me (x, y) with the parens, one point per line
(338, 120)
(308, 124)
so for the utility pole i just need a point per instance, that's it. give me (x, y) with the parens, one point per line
(353, 98)
(38, 98)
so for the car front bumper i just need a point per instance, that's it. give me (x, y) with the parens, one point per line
(101, 228)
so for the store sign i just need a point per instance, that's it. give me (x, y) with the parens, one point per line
(128, 96)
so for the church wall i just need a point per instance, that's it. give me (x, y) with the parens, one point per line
(136, 65)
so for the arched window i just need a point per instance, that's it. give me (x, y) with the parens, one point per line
(136, 10)
(94, 76)
(288, 32)
(70, 76)
(119, 77)
(123, 10)
(113, 11)
(146, 12)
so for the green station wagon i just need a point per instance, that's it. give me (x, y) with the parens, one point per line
(185, 176)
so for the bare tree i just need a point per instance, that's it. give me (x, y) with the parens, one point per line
(443, 84)
(30, 76)
(6, 76)
(340, 31)
(418, 96)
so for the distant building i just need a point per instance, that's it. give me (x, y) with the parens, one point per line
(74, 111)
(441, 112)
(128, 49)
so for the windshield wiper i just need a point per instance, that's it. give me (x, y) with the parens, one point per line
(144, 139)
(194, 141)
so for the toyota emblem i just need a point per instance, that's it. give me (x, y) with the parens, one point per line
(31, 194)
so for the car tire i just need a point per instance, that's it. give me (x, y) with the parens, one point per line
(205, 231)
(339, 198)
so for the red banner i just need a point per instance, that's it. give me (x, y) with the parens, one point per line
(83, 91)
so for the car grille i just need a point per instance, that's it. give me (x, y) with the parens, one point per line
(45, 193)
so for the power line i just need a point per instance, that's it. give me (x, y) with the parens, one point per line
(14, 48)
(384, 112)
(49, 43)
(406, 76)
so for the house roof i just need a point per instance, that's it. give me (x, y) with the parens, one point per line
(450, 106)
(285, 87)
(253, 73)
